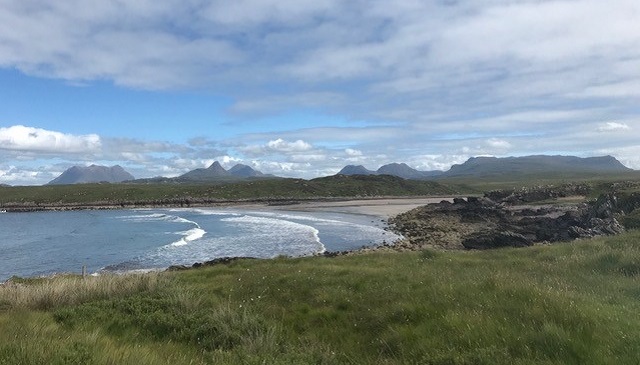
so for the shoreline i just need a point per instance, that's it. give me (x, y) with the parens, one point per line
(381, 208)
(384, 207)
(354, 205)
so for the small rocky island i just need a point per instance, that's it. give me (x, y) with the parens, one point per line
(517, 218)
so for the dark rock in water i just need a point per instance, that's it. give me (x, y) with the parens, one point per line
(334, 253)
(218, 261)
(178, 267)
(224, 260)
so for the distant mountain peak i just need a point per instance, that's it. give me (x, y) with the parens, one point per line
(356, 170)
(216, 172)
(92, 174)
(401, 170)
(241, 170)
(537, 164)
(394, 169)
(215, 166)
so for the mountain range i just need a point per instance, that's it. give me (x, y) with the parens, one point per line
(484, 167)
(217, 172)
(475, 167)
(116, 174)
(552, 166)
(395, 169)
(92, 174)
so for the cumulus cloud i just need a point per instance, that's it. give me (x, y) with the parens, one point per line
(613, 126)
(16, 175)
(308, 158)
(277, 146)
(418, 72)
(352, 152)
(499, 144)
(22, 138)
(627, 155)
(436, 161)
(280, 145)
(127, 43)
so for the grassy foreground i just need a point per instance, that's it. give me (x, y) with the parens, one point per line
(574, 303)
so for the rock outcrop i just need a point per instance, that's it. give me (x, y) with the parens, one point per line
(539, 193)
(482, 223)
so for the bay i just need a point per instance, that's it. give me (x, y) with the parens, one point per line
(44, 243)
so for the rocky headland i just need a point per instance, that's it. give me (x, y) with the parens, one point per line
(515, 218)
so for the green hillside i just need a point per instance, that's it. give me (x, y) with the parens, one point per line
(573, 303)
(186, 194)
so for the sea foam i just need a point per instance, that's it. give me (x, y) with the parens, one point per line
(283, 232)
(190, 235)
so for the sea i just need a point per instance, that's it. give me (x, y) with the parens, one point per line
(45, 243)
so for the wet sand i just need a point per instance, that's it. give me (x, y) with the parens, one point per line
(384, 208)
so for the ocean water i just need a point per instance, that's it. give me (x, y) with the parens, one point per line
(43, 243)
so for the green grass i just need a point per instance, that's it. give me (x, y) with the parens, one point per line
(339, 186)
(632, 220)
(575, 303)
(186, 194)
(600, 183)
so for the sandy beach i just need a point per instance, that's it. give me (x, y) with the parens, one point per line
(384, 208)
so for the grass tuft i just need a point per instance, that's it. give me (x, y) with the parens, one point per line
(573, 303)
(58, 291)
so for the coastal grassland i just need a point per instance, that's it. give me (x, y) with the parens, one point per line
(506, 180)
(572, 303)
(58, 291)
(191, 193)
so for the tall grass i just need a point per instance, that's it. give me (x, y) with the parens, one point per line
(573, 303)
(35, 338)
(58, 291)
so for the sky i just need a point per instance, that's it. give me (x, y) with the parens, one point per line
(301, 88)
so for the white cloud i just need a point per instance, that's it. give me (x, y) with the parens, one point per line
(285, 168)
(627, 155)
(229, 160)
(277, 146)
(613, 90)
(15, 175)
(436, 76)
(21, 138)
(436, 162)
(613, 126)
(245, 13)
(352, 152)
(11, 174)
(308, 158)
(280, 145)
(499, 144)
